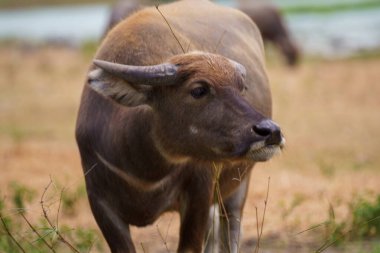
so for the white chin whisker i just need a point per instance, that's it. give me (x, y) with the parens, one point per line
(257, 146)
(264, 153)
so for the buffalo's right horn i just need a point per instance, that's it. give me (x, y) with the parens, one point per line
(161, 74)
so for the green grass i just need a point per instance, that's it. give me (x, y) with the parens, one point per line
(332, 8)
(366, 219)
(20, 233)
(362, 225)
(21, 195)
(359, 232)
(375, 249)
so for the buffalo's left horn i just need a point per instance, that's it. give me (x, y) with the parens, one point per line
(161, 74)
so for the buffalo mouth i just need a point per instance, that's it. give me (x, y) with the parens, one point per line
(261, 151)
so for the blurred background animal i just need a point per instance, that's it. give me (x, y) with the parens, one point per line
(272, 26)
(266, 16)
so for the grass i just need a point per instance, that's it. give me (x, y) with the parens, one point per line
(21, 233)
(335, 7)
(362, 224)
(21, 195)
(366, 55)
(88, 49)
(366, 219)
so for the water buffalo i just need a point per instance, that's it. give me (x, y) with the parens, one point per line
(266, 16)
(173, 116)
(269, 20)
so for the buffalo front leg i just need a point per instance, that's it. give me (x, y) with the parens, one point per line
(212, 234)
(115, 231)
(230, 219)
(194, 212)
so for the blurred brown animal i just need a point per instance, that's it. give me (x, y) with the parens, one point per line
(158, 127)
(266, 16)
(272, 26)
(121, 10)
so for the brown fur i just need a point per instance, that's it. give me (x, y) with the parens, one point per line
(209, 66)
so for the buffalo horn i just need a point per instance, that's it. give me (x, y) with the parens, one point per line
(161, 74)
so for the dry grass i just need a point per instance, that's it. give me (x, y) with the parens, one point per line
(327, 109)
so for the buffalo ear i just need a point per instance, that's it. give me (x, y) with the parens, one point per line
(118, 89)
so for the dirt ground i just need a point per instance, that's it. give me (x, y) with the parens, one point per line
(328, 111)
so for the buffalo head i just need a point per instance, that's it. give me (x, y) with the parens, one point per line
(198, 104)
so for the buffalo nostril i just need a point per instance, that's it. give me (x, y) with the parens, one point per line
(262, 131)
(265, 128)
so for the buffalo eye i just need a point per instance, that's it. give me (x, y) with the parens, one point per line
(200, 91)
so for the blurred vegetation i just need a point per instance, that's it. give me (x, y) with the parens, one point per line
(21, 195)
(88, 48)
(338, 6)
(21, 233)
(70, 198)
(366, 219)
(363, 224)
(366, 54)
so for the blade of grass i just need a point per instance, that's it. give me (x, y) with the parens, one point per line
(37, 233)
(10, 235)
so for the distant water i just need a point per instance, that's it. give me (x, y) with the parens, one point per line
(329, 34)
(72, 23)
(338, 33)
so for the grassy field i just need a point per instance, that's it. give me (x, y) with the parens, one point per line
(327, 109)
